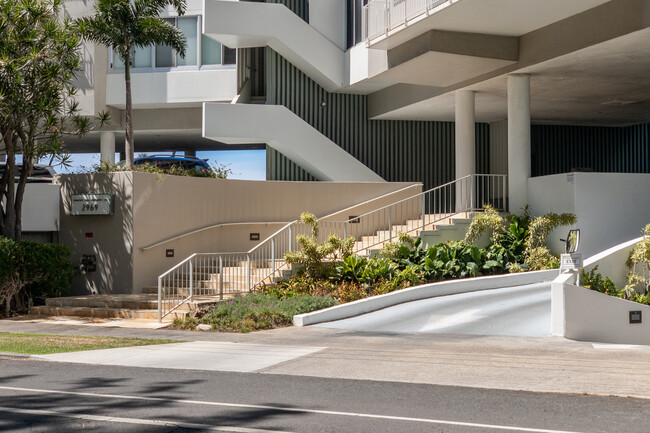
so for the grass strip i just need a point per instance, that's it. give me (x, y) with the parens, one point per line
(42, 344)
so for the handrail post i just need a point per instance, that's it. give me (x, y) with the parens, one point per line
(159, 299)
(248, 273)
(191, 279)
(290, 239)
(220, 278)
(473, 192)
(424, 207)
(390, 224)
(273, 255)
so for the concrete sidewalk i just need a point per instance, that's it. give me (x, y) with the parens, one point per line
(498, 362)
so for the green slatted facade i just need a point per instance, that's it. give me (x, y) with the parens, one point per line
(560, 149)
(298, 7)
(399, 151)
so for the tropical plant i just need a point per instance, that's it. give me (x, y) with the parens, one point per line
(594, 281)
(488, 220)
(125, 25)
(317, 258)
(39, 57)
(536, 254)
(639, 262)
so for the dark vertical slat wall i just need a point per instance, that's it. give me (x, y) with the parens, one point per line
(560, 149)
(298, 7)
(399, 151)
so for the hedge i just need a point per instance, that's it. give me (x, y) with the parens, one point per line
(48, 266)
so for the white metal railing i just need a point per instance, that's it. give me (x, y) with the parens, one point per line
(210, 275)
(382, 16)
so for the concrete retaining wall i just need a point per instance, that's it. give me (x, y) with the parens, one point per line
(583, 314)
(425, 291)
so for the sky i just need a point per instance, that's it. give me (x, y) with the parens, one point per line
(245, 164)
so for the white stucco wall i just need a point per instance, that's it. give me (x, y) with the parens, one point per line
(328, 17)
(611, 207)
(41, 207)
(156, 89)
(592, 316)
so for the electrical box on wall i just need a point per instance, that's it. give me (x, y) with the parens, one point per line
(88, 263)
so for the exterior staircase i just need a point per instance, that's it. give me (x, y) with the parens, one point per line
(142, 306)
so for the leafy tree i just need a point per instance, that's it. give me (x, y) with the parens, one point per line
(39, 56)
(126, 25)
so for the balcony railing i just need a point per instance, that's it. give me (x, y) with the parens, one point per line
(383, 16)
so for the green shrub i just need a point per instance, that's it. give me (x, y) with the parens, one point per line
(318, 258)
(38, 270)
(254, 311)
(639, 262)
(220, 171)
(594, 281)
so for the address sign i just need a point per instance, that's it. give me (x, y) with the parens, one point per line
(91, 204)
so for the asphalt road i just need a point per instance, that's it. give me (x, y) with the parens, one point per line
(523, 311)
(63, 397)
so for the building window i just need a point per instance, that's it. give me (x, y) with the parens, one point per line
(354, 21)
(212, 53)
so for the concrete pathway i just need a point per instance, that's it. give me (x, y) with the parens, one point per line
(518, 311)
(196, 355)
(548, 364)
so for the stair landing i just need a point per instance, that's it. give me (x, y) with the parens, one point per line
(104, 307)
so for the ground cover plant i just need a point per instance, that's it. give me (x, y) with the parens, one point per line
(41, 344)
(253, 312)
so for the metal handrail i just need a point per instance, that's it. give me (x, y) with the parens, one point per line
(381, 16)
(202, 229)
(239, 272)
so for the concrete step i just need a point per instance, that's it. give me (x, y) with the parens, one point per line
(121, 313)
(138, 302)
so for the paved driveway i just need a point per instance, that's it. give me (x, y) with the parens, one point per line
(517, 311)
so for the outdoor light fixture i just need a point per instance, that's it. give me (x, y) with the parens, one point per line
(635, 317)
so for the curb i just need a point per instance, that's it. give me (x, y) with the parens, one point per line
(17, 355)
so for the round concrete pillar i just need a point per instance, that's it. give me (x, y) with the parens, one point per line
(465, 146)
(518, 141)
(107, 146)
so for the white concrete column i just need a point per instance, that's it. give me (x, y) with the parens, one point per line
(465, 145)
(107, 146)
(518, 141)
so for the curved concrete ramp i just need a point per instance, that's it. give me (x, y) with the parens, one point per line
(287, 133)
(516, 311)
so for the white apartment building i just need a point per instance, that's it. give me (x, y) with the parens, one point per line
(406, 91)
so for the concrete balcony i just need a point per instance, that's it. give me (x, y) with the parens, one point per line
(248, 25)
(180, 88)
(388, 24)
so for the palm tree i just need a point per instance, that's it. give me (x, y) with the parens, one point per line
(128, 24)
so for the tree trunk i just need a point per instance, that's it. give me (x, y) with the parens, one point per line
(128, 136)
(28, 169)
(9, 215)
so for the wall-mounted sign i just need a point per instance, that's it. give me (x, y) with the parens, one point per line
(91, 204)
(570, 262)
